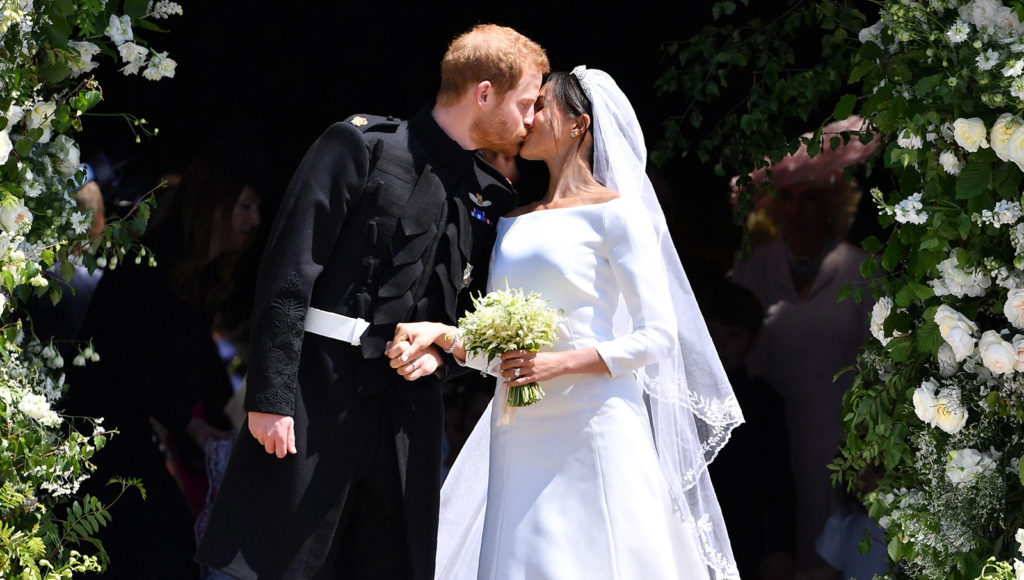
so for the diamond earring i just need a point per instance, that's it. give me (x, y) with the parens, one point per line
(573, 133)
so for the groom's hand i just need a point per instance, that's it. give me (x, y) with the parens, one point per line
(276, 433)
(421, 363)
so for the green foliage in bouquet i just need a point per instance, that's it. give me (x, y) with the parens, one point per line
(504, 320)
(47, 50)
(935, 416)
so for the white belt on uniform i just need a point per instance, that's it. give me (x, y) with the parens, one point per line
(336, 326)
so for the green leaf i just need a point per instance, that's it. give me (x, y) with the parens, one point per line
(844, 108)
(871, 245)
(24, 146)
(927, 85)
(868, 267)
(860, 70)
(136, 9)
(929, 338)
(54, 72)
(893, 254)
(844, 293)
(1020, 470)
(973, 179)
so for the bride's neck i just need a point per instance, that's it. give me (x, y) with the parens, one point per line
(570, 178)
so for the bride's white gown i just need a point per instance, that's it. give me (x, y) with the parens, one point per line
(573, 486)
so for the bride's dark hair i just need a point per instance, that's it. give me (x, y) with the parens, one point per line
(565, 90)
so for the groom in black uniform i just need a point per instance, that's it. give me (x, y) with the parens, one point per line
(384, 221)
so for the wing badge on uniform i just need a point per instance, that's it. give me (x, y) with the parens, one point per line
(466, 276)
(479, 200)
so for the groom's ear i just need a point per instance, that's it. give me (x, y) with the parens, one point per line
(483, 92)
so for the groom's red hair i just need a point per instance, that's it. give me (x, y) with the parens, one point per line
(488, 52)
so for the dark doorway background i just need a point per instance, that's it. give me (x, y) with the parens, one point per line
(268, 77)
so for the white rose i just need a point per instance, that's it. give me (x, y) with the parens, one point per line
(924, 401)
(879, 312)
(950, 162)
(999, 137)
(66, 156)
(14, 115)
(950, 415)
(40, 117)
(983, 13)
(970, 133)
(11, 218)
(997, 355)
(947, 361)
(86, 52)
(38, 408)
(1018, 345)
(957, 330)
(1013, 308)
(5, 146)
(1015, 147)
(119, 29)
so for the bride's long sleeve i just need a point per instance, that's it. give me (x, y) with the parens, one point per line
(632, 249)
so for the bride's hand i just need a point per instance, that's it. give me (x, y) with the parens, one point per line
(419, 335)
(532, 367)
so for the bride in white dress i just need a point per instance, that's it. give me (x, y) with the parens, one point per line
(592, 482)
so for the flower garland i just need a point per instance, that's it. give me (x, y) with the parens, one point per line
(47, 49)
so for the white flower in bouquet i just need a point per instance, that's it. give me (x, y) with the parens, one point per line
(14, 217)
(966, 465)
(505, 320)
(957, 330)
(950, 414)
(160, 67)
(948, 366)
(999, 137)
(1019, 537)
(998, 355)
(908, 140)
(86, 52)
(38, 408)
(958, 281)
(14, 115)
(987, 60)
(66, 156)
(879, 312)
(40, 116)
(950, 162)
(119, 29)
(970, 133)
(924, 401)
(5, 146)
(1015, 147)
(3, 304)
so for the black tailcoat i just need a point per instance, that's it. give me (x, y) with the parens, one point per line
(380, 222)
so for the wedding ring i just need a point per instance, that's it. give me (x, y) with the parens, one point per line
(516, 372)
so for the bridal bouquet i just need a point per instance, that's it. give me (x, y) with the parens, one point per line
(505, 320)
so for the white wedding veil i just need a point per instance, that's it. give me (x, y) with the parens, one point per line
(693, 408)
(692, 405)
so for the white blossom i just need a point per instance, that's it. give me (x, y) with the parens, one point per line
(80, 222)
(970, 133)
(959, 282)
(911, 210)
(1013, 68)
(84, 63)
(987, 60)
(957, 330)
(38, 408)
(909, 140)
(164, 9)
(1005, 213)
(1017, 88)
(14, 217)
(872, 33)
(998, 355)
(160, 66)
(6, 146)
(958, 32)
(924, 401)
(966, 465)
(950, 162)
(950, 415)
(879, 312)
(40, 116)
(119, 29)
(948, 365)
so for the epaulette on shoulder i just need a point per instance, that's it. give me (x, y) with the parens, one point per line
(374, 123)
